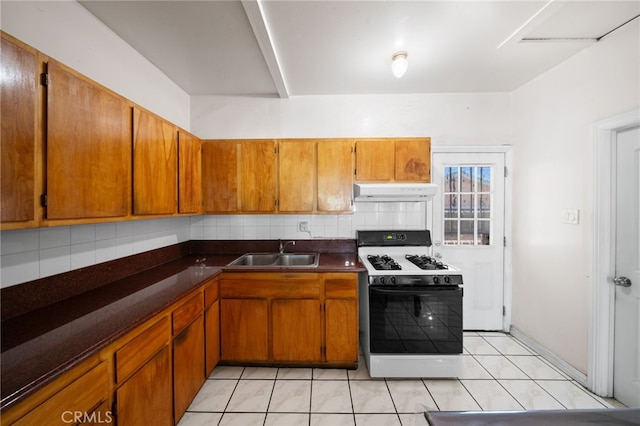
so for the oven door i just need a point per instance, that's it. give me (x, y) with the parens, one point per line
(415, 320)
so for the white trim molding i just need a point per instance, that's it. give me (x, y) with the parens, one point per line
(601, 322)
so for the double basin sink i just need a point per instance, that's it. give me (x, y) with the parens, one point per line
(278, 260)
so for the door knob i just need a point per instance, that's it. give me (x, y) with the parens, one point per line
(437, 243)
(622, 281)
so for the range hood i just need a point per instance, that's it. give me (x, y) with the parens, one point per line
(394, 192)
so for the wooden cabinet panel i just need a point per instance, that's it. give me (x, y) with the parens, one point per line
(296, 330)
(296, 175)
(154, 164)
(220, 178)
(258, 176)
(186, 313)
(211, 292)
(88, 148)
(18, 85)
(413, 160)
(335, 175)
(189, 173)
(244, 329)
(188, 366)
(374, 160)
(147, 397)
(137, 351)
(393, 160)
(212, 337)
(84, 395)
(341, 321)
(341, 286)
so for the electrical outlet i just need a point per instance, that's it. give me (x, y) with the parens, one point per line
(571, 216)
(304, 226)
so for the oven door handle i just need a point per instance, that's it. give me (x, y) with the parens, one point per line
(415, 291)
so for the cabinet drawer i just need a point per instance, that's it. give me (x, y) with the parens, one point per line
(268, 289)
(186, 313)
(132, 355)
(341, 287)
(84, 395)
(211, 293)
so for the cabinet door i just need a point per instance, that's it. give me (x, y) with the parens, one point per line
(335, 175)
(154, 164)
(244, 329)
(189, 173)
(212, 337)
(375, 160)
(147, 398)
(296, 175)
(18, 84)
(341, 320)
(88, 148)
(188, 365)
(220, 176)
(258, 176)
(296, 330)
(413, 160)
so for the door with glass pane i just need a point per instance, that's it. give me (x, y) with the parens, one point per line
(468, 230)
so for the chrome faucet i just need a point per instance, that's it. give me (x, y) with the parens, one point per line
(283, 246)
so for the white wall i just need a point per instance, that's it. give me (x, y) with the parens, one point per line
(67, 32)
(553, 170)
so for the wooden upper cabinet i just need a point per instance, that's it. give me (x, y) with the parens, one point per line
(258, 176)
(189, 173)
(88, 158)
(220, 171)
(154, 164)
(297, 175)
(374, 160)
(18, 88)
(335, 175)
(393, 160)
(413, 160)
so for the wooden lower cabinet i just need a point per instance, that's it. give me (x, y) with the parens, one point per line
(296, 330)
(188, 366)
(289, 318)
(244, 332)
(146, 397)
(212, 337)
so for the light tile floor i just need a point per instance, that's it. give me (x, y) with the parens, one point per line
(500, 373)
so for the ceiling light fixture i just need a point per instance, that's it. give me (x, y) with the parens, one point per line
(399, 64)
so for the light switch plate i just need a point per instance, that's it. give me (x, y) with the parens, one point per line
(571, 216)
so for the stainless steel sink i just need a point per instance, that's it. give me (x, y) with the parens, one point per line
(277, 260)
(298, 259)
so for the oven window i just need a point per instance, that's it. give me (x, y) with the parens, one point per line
(417, 321)
(468, 194)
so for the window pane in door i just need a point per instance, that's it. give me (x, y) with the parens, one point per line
(450, 206)
(467, 204)
(451, 232)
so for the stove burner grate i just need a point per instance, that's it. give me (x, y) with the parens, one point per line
(425, 262)
(383, 262)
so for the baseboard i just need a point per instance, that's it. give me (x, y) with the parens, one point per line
(545, 353)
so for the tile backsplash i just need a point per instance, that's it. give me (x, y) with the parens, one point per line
(37, 253)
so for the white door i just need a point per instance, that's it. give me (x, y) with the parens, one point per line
(468, 230)
(626, 364)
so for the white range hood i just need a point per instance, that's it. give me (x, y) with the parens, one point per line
(393, 192)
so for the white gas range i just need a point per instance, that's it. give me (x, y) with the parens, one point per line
(410, 306)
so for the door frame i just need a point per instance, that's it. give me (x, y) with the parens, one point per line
(508, 209)
(601, 324)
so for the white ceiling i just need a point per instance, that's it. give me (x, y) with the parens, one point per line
(293, 48)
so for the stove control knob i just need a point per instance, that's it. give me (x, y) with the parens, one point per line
(447, 279)
(392, 279)
(436, 280)
(381, 280)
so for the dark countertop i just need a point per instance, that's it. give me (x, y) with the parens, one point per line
(40, 345)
